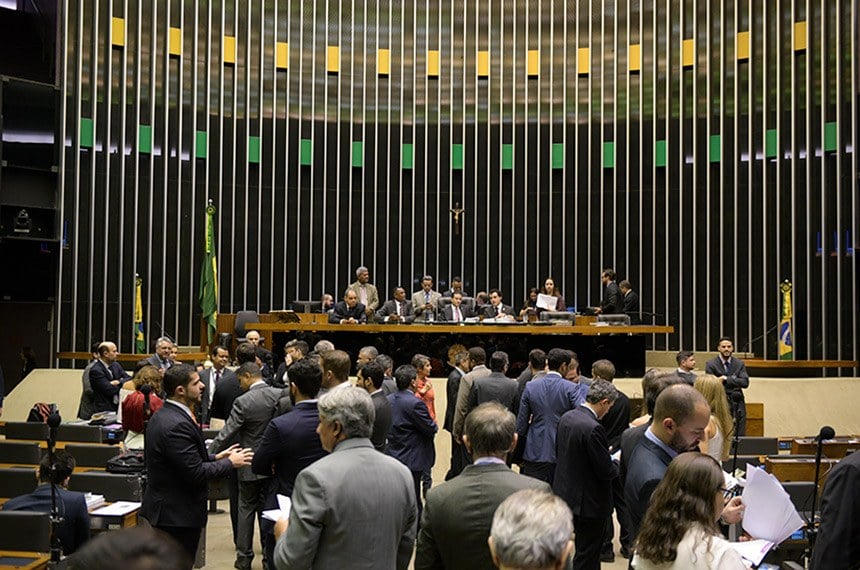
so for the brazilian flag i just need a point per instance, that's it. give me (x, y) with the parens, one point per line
(786, 346)
(209, 277)
(139, 339)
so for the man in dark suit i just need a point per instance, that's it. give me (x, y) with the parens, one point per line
(212, 378)
(290, 443)
(267, 359)
(456, 311)
(370, 378)
(681, 415)
(630, 302)
(251, 413)
(389, 386)
(74, 530)
(459, 458)
(106, 376)
(615, 421)
(611, 303)
(686, 365)
(838, 544)
(497, 309)
(178, 465)
(585, 470)
(733, 372)
(456, 287)
(495, 387)
(459, 513)
(85, 406)
(163, 351)
(349, 311)
(410, 439)
(396, 310)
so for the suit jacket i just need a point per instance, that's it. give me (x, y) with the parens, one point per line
(647, 465)
(631, 307)
(463, 390)
(688, 377)
(616, 420)
(372, 294)
(251, 414)
(410, 439)
(584, 470)
(629, 440)
(496, 386)
(458, 515)
(389, 386)
(390, 308)
(545, 399)
(226, 393)
(736, 375)
(206, 377)
(447, 313)
(354, 508)
(611, 303)
(105, 394)
(342, 311)
(490, 311)
(838, 544)
(382, 421)
(86, 408)
(418, 301)
(451, 388)
(155, 361)
(179, 469)
(74, 531)
(290, 443)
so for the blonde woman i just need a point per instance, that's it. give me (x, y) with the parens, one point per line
(718, 434)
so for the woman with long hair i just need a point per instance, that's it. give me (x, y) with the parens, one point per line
(680, 529)
(530, 306)
(133, 416)
(719, 431)
(550, 289)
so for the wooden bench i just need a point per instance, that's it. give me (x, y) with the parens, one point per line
(761, 367)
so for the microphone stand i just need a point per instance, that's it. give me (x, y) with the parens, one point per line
(147, 413)
(736, 437)
(826, 432)
(56, 547)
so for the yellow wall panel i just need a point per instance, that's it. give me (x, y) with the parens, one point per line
(117, 31)
(333, 59)
(383, 61)
(229, 49)
(175, 41)
(533, 63)
(799, 36)
(634, 57)
(743, 45)
(583, 61)
(689, 53)
(433, 63)
(483, 64)
(282, 55)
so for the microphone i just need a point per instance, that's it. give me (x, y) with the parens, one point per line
(53, 421)
(826, 432)
(146, 390)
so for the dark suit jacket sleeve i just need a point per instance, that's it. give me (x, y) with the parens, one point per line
(185, 456)
(427, 555)
(524, 414)
(101, 382)
(420, 417)
(740, 379)
(82, 522)
(598, 454)
(267, 451)
(230, 431)
(837, 545)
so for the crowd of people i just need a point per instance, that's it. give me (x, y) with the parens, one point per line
(361, 302)
(356, 458)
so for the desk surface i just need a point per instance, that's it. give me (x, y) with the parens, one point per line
(421, 328)
(23, 560)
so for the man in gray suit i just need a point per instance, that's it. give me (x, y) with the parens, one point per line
(458, 514)
(251, 414)
(495, 387)
(365, 291)
(354, 508)
(163, 351)
(425, 301)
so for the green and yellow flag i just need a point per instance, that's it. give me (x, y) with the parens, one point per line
(139, 339)
(785, 343)
(209, 277)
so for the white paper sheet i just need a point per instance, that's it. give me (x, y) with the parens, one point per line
(769, 513)
(547, 302)
(116, 509)
(752, 550)
(283, 510)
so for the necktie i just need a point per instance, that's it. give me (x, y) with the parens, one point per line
(457, 314)
(427, 297)
(726, 363)
(401, 309)
(214, 385)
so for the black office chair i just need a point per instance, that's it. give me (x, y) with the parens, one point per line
(743, 461)
(800, 493)
(242, 319)
(114, 486)
(92, 455)
(557, 316)
(79, 432)
(469, 302)
(24, 452)
(307, 306)
(748, 445)
(25, 531)
(442, 303)
(27, 430)
(15, 481)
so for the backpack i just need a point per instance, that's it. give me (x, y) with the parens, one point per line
(130, 463)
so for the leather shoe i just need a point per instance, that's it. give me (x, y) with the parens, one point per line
(625, 552)
(607, 557)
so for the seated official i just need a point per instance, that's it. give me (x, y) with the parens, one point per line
(133, 406)
(497, 309)
(680, 529)
(530, 308)
(75, 528)
(397, 310)
(456, 312)
(531, 530)
(349, 311)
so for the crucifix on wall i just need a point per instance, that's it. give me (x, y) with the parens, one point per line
(457, 210)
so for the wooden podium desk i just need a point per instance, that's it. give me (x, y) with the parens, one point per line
(24, 560)
(623, 345)
(836, 448)
(791, 469)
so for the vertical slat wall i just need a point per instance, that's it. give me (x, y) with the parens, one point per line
(705, 150)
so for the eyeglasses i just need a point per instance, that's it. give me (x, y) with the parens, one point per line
(727, 493)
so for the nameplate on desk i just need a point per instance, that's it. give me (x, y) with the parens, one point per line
(117, 509)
